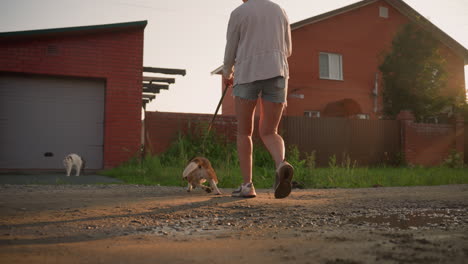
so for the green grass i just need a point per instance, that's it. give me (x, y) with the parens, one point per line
(151, 172)
(167, 168)
(369, 177)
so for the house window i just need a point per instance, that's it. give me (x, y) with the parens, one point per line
(383, 12)
(331, 66)
(312, 114)
(362, 116)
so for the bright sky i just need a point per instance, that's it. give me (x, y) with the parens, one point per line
(190, 34)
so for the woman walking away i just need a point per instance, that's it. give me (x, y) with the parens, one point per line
(255, 62)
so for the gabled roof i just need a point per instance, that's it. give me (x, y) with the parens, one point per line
(73, 30)
(403, 8)
(399, 5)
(218, 70)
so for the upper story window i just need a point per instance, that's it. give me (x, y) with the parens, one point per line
(331, 66)
(383, 12)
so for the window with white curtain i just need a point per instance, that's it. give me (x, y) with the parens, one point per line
(331, 66)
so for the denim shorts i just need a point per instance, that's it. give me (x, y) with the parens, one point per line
(273, 90)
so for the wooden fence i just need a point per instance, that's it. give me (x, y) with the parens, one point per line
(366, 142)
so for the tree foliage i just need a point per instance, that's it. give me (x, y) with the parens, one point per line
(413, 74)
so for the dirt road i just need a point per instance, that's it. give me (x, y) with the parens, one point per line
(138, 224)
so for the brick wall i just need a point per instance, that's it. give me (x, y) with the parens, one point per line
(116, 56)
(429, 144)
(361, 37)
(162, 129)
(422, 144)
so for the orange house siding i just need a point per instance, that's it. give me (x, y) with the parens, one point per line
(456, 73)
(362, 37)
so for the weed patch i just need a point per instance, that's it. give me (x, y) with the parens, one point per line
(166, 169)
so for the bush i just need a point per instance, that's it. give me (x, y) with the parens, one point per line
(454, 160)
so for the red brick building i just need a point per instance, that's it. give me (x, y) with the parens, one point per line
(334, 66)
(70, 90)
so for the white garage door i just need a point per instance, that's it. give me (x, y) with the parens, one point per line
(42, 119)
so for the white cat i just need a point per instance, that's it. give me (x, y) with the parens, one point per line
(73, 160)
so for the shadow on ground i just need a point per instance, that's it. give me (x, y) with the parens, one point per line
(55, 178)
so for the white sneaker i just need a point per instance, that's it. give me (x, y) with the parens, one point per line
(245, 191)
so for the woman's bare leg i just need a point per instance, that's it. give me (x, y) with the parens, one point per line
(245, 123)
(270, 118)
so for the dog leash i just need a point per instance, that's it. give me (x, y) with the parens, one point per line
(226, 87)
